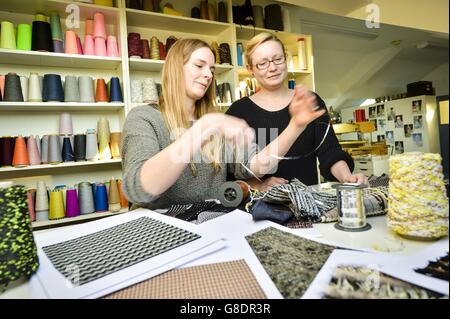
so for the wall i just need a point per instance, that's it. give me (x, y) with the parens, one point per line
(439, 77)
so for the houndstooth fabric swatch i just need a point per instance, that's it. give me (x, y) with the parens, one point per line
(102, 253)
(303, 201)
(226, 280)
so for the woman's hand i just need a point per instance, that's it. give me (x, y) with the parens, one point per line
(267, 184)
(234, 130)
(303, 107)
(358, 178)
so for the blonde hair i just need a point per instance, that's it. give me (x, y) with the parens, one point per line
(172, 102)
(256, 41)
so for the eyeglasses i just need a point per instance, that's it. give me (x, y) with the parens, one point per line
(265, 64)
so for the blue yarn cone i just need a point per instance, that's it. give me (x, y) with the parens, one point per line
(115, 92)
(67, 152)
(52, 88)
(101, 198)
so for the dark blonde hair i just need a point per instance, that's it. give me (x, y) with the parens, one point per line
(256, 41)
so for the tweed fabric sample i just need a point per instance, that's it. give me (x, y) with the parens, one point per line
(227, 280)
(350, 282)
(107, 251)
(291, 261)
(377, 181)
(436, 269)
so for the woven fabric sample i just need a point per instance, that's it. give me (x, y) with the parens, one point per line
(107, 251)
(206, 216)
(350, 282)
(294, 223)
(191, 212)
(377, 181)
(436, 269)
(292, 262)
(227, 280)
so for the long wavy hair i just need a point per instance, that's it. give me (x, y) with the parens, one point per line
(172, 102)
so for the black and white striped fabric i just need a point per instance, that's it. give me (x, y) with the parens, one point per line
(379, 181)
(105, 252)
(303, 201)
(191, 212)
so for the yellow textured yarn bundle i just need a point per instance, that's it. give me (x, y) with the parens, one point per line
(418, 205)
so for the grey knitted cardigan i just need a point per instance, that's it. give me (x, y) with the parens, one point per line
(144, 135)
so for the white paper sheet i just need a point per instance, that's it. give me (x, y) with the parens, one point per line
(56, 285)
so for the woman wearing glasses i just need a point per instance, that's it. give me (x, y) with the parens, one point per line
(174, 154)
(267, 112)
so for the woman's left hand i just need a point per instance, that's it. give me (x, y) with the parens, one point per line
(303, 107)
(358, 178)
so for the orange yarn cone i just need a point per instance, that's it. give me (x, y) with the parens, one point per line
(123, 200)
(20, 158)
(101, 94)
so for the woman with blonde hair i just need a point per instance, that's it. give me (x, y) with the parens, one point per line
(268, 110)
(177, 154)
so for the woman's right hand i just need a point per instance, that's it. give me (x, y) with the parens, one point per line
(267, 184)
(234, 130)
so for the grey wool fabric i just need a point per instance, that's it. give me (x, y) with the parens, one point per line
(144, 135)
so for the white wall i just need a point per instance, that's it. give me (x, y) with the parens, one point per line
(439, 77)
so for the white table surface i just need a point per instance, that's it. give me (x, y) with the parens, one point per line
(236, 225)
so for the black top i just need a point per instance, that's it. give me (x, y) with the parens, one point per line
(304, 168)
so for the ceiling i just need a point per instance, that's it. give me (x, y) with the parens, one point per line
(353, 63)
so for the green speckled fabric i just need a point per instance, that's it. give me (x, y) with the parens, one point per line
(292, 262)
(18, 252)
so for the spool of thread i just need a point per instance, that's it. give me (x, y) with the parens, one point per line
(147, 5)
(106, 3)
(112, 49)
(216, 51)
(67, 152)
(225, 54)
(113, 196)
(41, 39)
(40, 17)
(89, 46)
(63, 189)
(89, 30)
(116, 144)
(104, 151)
(86, 86)
(100, 46)
(56, 205)
(149, 91)
(99, 26)
(286, 20)
(123, 200)
(71, 89)
(222, 12)
(169, 42)
(101, 198)
(20, 158)
(7, 150)
(135, 4)
(41, 206)
(80, 147)
(72, 207)
(154, 48)
(103, 128)
(13, 88)
(19, 253)
(85, 198)
(135, 48)
(34, 88)
(79, 46)
(55, 26)
(33, 152)
(195, 13)
(53, 89)
(302, 59)
(2, 86)
(54, 149)
(351, 209)
(24, 87)
(44, 149)
(7, 36)
(30, 204)
(115, 92)
(418, 204)
(145, 49)
(101, 93)
(258, 16)
(211, 12)
(136, 91)
(91, 145)
(38, 143)
(58, 46)
(231, 194)
(24, 37)
(204, 10)
(273, 17)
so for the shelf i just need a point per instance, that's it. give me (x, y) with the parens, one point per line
(165, 22)
(148, 65)
(52, 59)
(243, 72)
(46, 6)
(58, 166)
(58, 106)
(38, 225)
(244, 32)
(352, 142)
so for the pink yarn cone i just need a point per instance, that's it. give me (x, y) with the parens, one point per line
(100, 47)
(111, 47)
(99, 26)
(89, 45)
(79, 46)
(89, 27)
(71, 42)
(33, 151)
